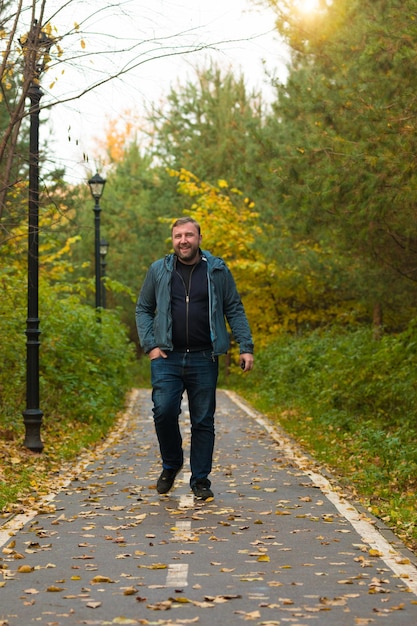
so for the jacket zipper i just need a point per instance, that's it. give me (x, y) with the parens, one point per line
(187, 302)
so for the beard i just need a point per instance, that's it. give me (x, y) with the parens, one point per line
(187, 255)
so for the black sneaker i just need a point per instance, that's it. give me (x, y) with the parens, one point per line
(202, 491)
(166, 480)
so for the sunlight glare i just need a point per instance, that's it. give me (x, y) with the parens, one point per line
(308, 6)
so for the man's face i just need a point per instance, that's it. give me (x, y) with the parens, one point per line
(186, 242)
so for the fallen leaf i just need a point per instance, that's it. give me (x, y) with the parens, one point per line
(165, 605)
(334, 602)
(249, 616)
(373, 552)
(129, 591)
(93, 604)
(100, 579)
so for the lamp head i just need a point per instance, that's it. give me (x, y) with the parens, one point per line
(104, 247)
(96, 184)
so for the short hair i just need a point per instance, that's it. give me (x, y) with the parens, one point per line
(186, 220)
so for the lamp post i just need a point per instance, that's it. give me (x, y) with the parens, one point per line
(104, 248)
(36, 46)
(96, 184)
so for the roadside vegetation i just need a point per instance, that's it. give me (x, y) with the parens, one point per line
(350, 402)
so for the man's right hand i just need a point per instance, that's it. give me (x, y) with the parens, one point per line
(156, 353)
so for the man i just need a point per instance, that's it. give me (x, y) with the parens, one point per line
(180, 316)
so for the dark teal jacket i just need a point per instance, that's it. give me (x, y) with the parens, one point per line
(153, 308)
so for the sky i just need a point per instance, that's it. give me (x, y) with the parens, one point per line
(241, 37)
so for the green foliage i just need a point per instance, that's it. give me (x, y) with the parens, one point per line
(211, 126)
(85, 365)
(352, 401)
(340, 376)
(12, 349)
(344, 123)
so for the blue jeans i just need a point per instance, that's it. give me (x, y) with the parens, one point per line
(196, 373)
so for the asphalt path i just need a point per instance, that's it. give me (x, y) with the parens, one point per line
(279, 545)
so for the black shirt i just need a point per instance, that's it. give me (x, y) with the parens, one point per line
(190, 306)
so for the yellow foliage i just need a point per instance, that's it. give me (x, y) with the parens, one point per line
(118, 134)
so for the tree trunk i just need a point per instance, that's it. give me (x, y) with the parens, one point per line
(377, 321)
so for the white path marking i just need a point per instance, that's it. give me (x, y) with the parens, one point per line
(177, 575)
(186, 501)
(182, 531)
(368, 532)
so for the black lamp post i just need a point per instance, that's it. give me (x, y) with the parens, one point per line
(96, 184)
(36, 46)
(104, 248)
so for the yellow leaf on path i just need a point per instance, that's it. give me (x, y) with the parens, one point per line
(100, 579)
(53, 588)
(263, 558)
(373, 552)
(129, 591)
(25, 569)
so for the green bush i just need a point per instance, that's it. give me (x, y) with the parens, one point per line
(85, 365)
(12, 350)
(340, 376)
